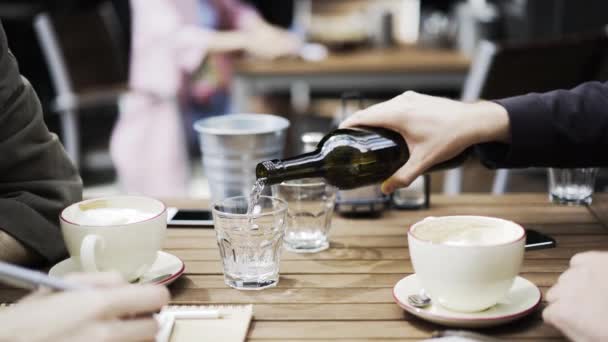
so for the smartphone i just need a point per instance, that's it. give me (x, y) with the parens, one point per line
(537, 240)
(189, 218)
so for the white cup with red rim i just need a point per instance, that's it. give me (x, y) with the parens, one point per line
(466, 263)
(118, 233)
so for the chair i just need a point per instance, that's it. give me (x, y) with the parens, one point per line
(86, 63)
(500, 71)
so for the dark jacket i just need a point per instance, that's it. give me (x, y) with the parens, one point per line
(561, 128)
(37, 180)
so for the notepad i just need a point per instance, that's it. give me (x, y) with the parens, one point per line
(232, 326)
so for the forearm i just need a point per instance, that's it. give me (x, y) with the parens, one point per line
(193, 44)
(226, 41)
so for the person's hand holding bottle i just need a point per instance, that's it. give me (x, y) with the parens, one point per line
(111, 311)
(435, 129)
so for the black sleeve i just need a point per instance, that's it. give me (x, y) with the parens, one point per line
(562, 128)
(37, 180)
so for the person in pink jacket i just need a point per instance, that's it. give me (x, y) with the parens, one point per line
(169, 45)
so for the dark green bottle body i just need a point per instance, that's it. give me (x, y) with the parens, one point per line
(346, 158)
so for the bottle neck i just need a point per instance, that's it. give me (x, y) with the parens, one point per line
(307, 165)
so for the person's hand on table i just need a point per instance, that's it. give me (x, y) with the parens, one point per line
(578, 303)
(111, 311)
(435, 129)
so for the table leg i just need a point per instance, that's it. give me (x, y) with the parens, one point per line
(300, 96)
(241, 91)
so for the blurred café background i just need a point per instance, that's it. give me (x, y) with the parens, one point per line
(76, 53)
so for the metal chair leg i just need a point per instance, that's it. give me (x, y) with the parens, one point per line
(452, 184)
(71, 135)
(501, 180)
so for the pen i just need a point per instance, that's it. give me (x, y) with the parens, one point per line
(29, 279)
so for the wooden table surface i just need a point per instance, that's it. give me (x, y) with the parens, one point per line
(344, 293)
(402, 59)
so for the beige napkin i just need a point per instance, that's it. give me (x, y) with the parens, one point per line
(231, 327)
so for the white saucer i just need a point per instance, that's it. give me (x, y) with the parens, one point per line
(523, 298)
(166, 269)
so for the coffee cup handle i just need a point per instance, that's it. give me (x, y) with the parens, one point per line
(87, 252)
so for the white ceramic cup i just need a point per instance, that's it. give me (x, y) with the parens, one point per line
(127, 247)
(467, 276)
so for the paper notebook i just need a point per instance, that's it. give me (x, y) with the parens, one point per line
(232, 326)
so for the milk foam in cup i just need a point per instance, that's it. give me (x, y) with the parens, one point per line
(119, 233)
(112, 216)
(466, 263)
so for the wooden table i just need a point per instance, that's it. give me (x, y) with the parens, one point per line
(396, 69)
(344, 293)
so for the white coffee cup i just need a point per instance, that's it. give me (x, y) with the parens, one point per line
(466, 263)
(119, 233)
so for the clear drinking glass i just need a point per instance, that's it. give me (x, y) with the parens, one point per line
(571, 186)
(412, 197)
(310, 209)
(250, 245)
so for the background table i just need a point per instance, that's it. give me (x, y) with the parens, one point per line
(345, 292)
(396, 69)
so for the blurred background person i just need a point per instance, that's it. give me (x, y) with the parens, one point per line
(234, 26)
(179, 64)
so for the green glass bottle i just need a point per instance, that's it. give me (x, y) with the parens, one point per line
(347, 159)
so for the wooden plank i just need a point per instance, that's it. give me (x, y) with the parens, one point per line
(342, 227)
(353, 295)
(361, 266)
(569, 228)
(559, 252)
(384, 329)
(191, 281)
(283, 296)
(599, 208)
(338, 312)
(485, 199)
(586, 241)
(389, 253)
(392, 60)
(437, 200)
(381, 253)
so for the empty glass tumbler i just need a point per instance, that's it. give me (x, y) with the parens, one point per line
(572, 186)
(310, 209)
(250, 245)
(414, 196)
